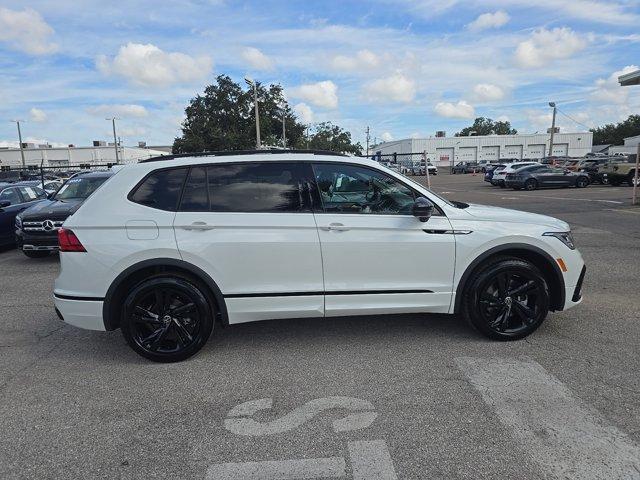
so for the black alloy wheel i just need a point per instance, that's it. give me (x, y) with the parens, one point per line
(582, 182)
(531, 184)
(507, 300)
(167, 319)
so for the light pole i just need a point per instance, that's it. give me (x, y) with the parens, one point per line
(252, 84)
(24, 164)
(284, 131)
(553, 128)
(367, 150)
(115, 138)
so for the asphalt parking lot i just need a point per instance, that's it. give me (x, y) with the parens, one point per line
(415, 397)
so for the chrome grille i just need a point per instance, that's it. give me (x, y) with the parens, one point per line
(43, 226)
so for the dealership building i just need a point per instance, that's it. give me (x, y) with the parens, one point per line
(100, 153)
(447, 150)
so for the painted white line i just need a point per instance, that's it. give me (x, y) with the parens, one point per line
(567, 438)
(371, 459)
(243, 424)
(331, 467)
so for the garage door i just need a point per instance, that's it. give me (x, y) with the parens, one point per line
(561, 149)
(512, 151)
(468, 154)
(444, 156)
(537, 151)
(490, 153)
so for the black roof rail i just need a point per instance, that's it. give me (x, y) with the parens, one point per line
(224, 153)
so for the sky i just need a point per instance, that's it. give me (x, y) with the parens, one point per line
(405, 68)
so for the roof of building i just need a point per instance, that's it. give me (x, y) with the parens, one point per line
(629, 79)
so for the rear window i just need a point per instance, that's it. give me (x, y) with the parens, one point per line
(161, 189)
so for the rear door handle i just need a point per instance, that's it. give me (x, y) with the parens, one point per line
(337, 227)
(198, 226)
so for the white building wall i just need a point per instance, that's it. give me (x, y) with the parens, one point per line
(75, 155)
(487, 147)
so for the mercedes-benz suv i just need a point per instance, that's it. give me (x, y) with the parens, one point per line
(170, 247)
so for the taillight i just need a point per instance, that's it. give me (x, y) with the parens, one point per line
(68, 242)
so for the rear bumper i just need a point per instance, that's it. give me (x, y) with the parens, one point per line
(80, 312)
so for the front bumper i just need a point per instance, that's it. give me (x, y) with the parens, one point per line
(79, 312)
(30, 241)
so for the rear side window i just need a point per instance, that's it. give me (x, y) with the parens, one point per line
(259, 187)
(196, 193)
(161, 189)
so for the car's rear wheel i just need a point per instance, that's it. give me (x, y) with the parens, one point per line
(531, 184)
(631, 178)
(582, 182)
(36, 253)
(167, 319)
(507, 299)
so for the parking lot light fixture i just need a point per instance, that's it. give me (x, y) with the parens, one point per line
(253, 85)
(17, 122)
(115, 138)
(552, 131)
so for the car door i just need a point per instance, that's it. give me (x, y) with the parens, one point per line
(8, 213)
(377, 257)
(250, 226)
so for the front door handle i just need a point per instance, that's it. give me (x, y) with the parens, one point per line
(198, 226)
(337, 227)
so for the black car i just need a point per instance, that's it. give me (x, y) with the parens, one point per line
(14, 198)
(539, 176)
(37, 227)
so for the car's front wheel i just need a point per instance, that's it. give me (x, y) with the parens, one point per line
(507, 299)
(167, 319)
(582, 182)
(531, 184)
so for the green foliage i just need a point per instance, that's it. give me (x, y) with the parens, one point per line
(611, 134)
(486, 126)
(223, 118)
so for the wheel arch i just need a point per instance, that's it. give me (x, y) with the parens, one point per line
(541, 259)
(139, 271)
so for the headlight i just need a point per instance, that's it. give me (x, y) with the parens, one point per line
(19, 222)
(564, 237)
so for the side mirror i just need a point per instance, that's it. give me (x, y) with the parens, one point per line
(423, 209)
(5, 203)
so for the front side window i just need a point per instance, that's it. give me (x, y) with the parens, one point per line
(354, 189)
(32, 193)
(278, 187)
(160, 189)
(10, 195)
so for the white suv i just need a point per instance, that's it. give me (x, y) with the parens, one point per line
(169, 247)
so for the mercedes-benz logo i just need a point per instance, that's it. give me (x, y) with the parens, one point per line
(48, 225)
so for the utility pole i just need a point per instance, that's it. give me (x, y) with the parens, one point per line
(252, 84)
(553, 128)
(115, 137)
(367, 151)
(24, 164)
(284, 132)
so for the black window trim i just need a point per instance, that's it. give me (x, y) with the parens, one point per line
(316, 200)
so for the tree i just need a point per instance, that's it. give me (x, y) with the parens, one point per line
(611, 134)
(486, 126)
(223, 118)
(327, 136)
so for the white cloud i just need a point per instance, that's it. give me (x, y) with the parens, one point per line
(26, 31)
(396, 88)
(256, 59)
(503, 118)
(304, 112)
(132, 131)
(455, 110)
(322, 94)
(609, 91)
(547, 45)
(117, 110)
(387, 137)
(363, 60)
(147, 65)
(489, 20)
(488, 92)
(37, 115)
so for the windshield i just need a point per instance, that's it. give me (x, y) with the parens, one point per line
(79, 187)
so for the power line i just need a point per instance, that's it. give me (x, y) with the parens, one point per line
(574, 120)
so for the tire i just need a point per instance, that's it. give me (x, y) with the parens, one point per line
(36, 253)
(167, 318)
(631, 178)
(506, 299)
(531, 184)
(582, 182)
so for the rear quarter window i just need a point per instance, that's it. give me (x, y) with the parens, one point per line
(160, 189)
